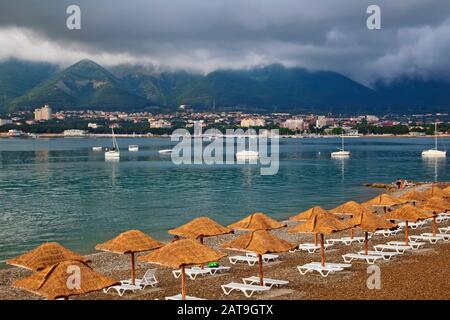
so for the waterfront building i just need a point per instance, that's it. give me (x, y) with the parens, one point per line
(5, 121)
(293, 124)
(43, 114)
(74, 133)
(252, 122)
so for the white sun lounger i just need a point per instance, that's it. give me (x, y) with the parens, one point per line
(386, 255)
(370, 259)
(178, 297)
(412, 225)
(396, 248)
(444, 230)
(310, 247)
(346, 240)
(267, 281)
(332, 264)
(246, 289)
(266, 257)
(386, 232)
(413, 244)
(214, 270)
(148, 279)
(192, 273)
(430, 238)
(250, 260)
(323, 271)
(440, 218)
(442, 236)
(122, 288)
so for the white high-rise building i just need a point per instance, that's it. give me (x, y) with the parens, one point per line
(321, 122)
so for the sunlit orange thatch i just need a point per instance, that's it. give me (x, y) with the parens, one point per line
(414, 195)
(370, 222)
(59, 280)
(435, 204)
(257, 221)
(310, 213)
(182, 253)
(349, 208)
(45, 255)
(383, 200)
(320, 224)
(436, 192)
(407, 213)
(129, 242)
(199, 228)
(259, 241)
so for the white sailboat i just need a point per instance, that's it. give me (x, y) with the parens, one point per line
(434, 152)
(114, 153)
(342, 153)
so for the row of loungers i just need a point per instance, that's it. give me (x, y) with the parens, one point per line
(251, 285)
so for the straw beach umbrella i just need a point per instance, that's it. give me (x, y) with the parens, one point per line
(130, 242)
(180, 254)
(260, 242)
(369, 222)
(407, 213)
(309, 214)
(383, 200)
(435, 205)
(436, 192)
(257, 221)
(321, 224)
(64, 279)
(200, 228)
(414, 196)
(350, 208)
(45, 255)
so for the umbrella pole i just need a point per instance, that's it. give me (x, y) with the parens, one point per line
(366, 242)
(183, 283)
(434, 224)
(406, 233)
(201, 240)
(133, 275)
(261, 275)
(351, 233)
(315, 239)
(322, 250)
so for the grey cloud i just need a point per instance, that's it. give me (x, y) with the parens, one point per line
(208, 34)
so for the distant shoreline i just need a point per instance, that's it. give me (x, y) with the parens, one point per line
(108, 135)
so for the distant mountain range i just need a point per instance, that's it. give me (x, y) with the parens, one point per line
(274, 88)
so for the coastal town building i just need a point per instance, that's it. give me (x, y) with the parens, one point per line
(74, 133)
(5, 121)
(43, 114)
(159, 123)
(294, 124)
(252, 122)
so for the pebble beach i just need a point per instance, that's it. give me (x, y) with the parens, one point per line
(417, 274)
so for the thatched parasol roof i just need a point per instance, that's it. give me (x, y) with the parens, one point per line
(199, 228)
(60, 280)
(447, 189)
(349, 208)
(407, 213)
(129, 242)
(182, 253)
(259, 241)
(370, 222)
(45, 255)
(414, 195)
(384, 200)
(310, 213)
(436, 192)
(321, 224)
(435, 204)
(257, 221)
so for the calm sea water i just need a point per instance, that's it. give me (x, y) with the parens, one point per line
(60, 190)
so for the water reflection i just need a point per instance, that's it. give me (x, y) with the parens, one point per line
(437, 165)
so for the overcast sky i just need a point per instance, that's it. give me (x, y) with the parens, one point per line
(205, 35)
